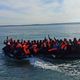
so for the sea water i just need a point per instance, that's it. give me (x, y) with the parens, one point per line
(35, 68)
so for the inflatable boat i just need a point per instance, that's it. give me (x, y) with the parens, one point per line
(47, 48)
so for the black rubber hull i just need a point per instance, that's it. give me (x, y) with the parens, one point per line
(59, 54)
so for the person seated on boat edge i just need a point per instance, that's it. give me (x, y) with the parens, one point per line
(53, 47)
(64, 44)
(70, 44)
(75, 46)
(44, 48)
(12, 46)
(6, 41)
(9, 44)
(75, 41)
(18, 52)
(78, 42)
(26, 49)
(7, 48)
(78, 45)
(34, 48)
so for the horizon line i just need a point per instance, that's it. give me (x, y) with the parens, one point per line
(4, 25)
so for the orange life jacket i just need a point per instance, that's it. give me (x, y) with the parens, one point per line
(19, 45)
(78, 42)
(35, 48)
(49, 45)
(64, 46)
(26, 49)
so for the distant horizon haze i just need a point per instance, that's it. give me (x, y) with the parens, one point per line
(39, 24)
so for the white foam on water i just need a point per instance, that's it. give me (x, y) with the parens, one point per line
(65, 68)
(69, 69)
(36, 62)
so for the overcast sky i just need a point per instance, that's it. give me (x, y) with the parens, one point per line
(39, 11)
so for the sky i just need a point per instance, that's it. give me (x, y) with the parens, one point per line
(39, 11)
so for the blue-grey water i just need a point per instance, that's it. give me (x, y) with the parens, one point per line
(35, 68)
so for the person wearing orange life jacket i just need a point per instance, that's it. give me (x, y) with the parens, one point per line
(49, 43)
(18, 50)
(26, 49)
(44, 44)
(35, 49)
(44, 47)
(53, 47)
(64, 45)
(18, 45)
(78, 42)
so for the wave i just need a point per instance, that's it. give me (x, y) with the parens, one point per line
(36, 62)
(65, 68)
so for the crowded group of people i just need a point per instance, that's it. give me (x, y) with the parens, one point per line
(36, 47)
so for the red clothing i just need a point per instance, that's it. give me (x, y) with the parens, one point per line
(78, 42)
(26, 49)
(19, 45)
(64, 45)
(35, 48)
